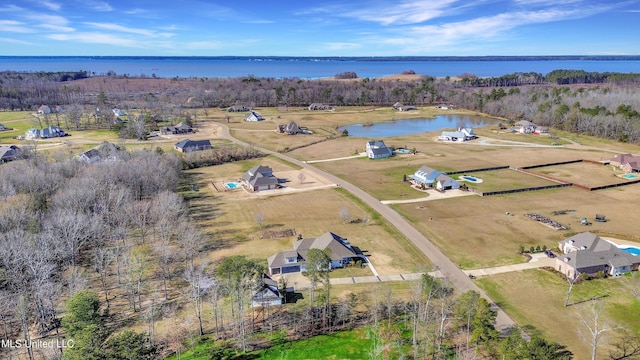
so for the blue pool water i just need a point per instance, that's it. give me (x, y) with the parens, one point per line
(470, 178)
(231, 185)
(629, 176)
(632, 250)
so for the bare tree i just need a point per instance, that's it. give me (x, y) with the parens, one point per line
(259, 218)
(302, 177)
(572, 281)
(102, 259)
(593, 326)
(344, 214)
(199, 284)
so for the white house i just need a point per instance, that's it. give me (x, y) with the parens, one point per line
(525, 127)
(462, 134)
(431, 178)
(376, 149)
(253, 116)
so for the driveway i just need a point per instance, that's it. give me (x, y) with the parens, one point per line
(459, 279)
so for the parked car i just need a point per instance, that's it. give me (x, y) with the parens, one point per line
(550, 254)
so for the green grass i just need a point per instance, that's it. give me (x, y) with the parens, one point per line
(535, 300)
(352, 344)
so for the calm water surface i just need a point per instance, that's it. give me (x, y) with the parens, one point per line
(415, 126)
(302, 68)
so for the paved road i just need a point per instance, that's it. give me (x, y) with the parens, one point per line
(447, 268)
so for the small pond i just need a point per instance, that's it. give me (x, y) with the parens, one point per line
(414, 126)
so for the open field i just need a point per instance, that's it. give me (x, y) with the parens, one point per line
(535, 299)
(476, 232)
(228, 217)
(584, 173)
(322, 124)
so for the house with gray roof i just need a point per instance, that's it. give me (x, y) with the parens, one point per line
(291, 128)
(259, 178)
(8, 153)
(319, 106)
(268, 294)
(239, 108)
(430, 178)
(587, 253)
(293, 261)
(187, 145)
(253, 116)
(180, 128)
(376, 149)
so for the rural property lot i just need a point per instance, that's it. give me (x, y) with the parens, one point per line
(229, 218)
(584, 173)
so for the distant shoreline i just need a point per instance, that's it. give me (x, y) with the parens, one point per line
(346, 58)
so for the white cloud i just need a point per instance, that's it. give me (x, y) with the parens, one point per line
(16, 41)
(406, 12)
(96, 38)
(15, 26)
(51, 5)
(337, 46)
(120, 28)
(97, 5)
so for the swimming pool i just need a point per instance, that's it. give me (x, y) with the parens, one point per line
(231, 185)
(629, 176)
(471, 179)
(632, 250)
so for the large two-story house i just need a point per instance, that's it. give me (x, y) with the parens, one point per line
(587, 253)
(376, 149)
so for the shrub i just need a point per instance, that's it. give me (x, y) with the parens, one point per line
(346, 75)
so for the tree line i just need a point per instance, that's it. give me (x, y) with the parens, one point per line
(599, 104)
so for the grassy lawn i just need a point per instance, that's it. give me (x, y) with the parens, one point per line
(535, 300)
(228, 217)
(475, 231)
(352, 344)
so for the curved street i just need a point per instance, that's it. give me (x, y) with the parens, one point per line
(446, 267)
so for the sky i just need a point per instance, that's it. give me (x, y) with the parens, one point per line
(318, 28)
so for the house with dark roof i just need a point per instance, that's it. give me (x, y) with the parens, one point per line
(260, 178)
(268, 294)
(293, 261)
(430, 178)
(104, 151)
(180, 128)
(399, 107)
(253, 116)
(187, 145)
(8, 153)
(239, 108)
(376, 149)
(45, 133)
(291, 128)
(587, 253)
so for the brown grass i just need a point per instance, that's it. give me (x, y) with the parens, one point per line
(228, 216)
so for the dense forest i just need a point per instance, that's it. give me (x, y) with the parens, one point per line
(605, 105)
